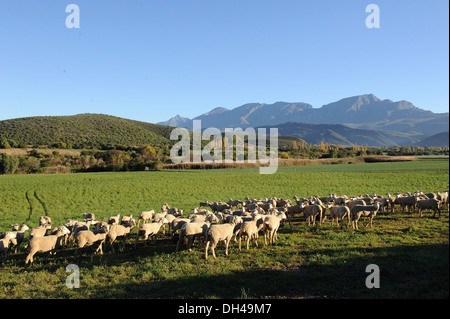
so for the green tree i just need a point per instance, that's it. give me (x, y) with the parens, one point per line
(4, 143)
(148, 153)
(8, 164)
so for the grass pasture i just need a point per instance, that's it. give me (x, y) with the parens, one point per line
(319, 262)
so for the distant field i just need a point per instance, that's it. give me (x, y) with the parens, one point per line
(318, 262)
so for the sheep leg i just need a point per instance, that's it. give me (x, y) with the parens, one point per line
(201, 241)
(256, 239)
(289, 218)
(355, 222)
(213, 247)
(136, 241)
(342, 222)
(113, 239)
(100, 248)
(436, 210)
(190, 242)
(206, 249)
(178, 243)
(29, 257)
(155, 237)
(240, 239)
(226, 246)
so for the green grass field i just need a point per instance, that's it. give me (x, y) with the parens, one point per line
(319, 262)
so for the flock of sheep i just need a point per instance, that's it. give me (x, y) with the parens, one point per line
(219, 221)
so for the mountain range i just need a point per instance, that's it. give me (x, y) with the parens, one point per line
(361, 119)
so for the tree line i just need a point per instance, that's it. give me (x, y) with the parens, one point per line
(146, 157)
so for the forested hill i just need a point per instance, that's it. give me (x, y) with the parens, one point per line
(82, 131)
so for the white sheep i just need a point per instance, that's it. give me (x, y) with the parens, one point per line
(428, 204)
(355, 202)
(204, 204)
(219, 207)
(188, 233)
(62, 229)
(149, 230)
(40, 231)
(145, 215)
(177, 223)
(20, 235)
(88, 216)
(250, 230)
(126, 220)
(234, 203)
(200, 211)
(392, 201)
(384, 203)
(87, 238)
(159, 216)
(170, 218)
(271, 225)
(341, 200)
(8, 238)
(299, 200)
(173, 211)
(45, 244)
(311, 212)
(114, 220)
(291, 211)
(120, 231)
(369, 211)
(220, 232)
(45, 220)
(80, 226)
(408, 202)
(339, 213)
(192, 230)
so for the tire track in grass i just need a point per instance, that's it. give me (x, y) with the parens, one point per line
(31, 207)
(41, 202)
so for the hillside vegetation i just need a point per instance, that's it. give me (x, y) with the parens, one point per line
(81, 131)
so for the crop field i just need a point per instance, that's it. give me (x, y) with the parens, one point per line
(306, 262)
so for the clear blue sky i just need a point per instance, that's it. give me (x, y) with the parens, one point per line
(152, 59)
